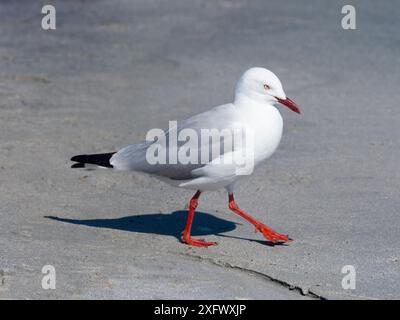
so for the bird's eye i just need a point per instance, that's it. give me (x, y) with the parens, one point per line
(266, 87)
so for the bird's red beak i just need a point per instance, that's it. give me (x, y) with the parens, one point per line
(290, 104)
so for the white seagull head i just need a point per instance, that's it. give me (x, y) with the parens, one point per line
(262, 85)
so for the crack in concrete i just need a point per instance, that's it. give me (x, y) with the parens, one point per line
(303, 291)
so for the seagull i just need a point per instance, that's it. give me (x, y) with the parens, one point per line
(256, 94)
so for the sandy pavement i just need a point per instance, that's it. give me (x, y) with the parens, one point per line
(114, 69)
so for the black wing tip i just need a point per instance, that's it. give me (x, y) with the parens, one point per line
(78, 165)
(101, 159)
(79, 158)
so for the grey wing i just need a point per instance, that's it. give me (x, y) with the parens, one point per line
(136, 157)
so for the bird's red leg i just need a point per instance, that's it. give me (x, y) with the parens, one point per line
(186, 238)
(268, 233)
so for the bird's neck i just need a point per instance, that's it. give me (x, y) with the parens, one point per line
(246, 100)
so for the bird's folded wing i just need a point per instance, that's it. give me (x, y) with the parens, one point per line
(135, 157)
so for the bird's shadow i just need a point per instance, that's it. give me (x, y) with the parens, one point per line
(170, 224)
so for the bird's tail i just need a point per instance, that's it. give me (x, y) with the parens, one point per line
(100, 159)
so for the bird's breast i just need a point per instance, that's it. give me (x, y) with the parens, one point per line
(267, 126)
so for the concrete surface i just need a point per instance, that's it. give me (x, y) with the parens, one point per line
(114, 69)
